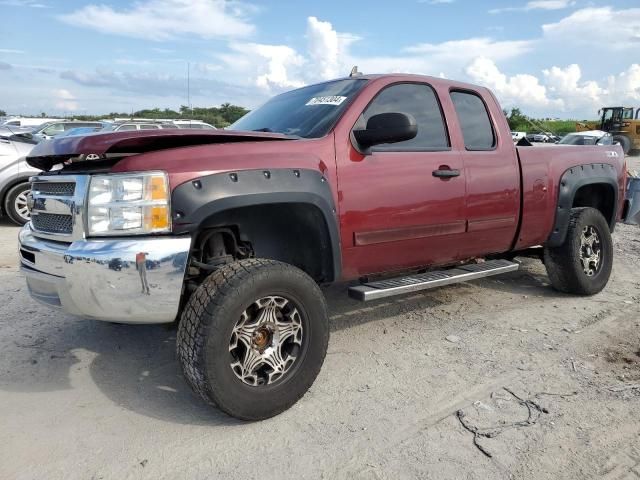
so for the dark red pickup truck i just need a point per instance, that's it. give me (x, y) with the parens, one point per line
(402, 182)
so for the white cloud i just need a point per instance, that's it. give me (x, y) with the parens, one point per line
(566, 84)
(328, 54)
(267, 66)
(167, 19)
(23, 3)
(559, 90)
(274, 68)
(602, 27)
(626, 85)
(65, 100)
(536, 5)
(446, 58)
(328, 50)
(323, 47)
(11, 51)
(521, 89)
(463, 50)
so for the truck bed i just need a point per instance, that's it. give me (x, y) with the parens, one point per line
(542, 170)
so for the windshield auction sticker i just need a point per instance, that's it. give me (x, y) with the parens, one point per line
(330, 100)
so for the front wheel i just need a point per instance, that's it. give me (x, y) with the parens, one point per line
(15, 203)
(582, 264)
(253, 337)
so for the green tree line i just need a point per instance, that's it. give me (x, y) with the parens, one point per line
(519, 122)
(219, 117)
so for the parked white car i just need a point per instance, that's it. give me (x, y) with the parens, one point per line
(590, 137)
(136, 125)
(517, 136)
(54, 129)
(14, 176)
(193, 124)
(26, 121)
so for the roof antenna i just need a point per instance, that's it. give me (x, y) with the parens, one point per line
(355, 72)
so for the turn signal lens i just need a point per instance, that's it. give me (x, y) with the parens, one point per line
(158, 188)
(157, 219)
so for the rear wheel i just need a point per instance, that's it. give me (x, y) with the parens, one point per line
(582, 264)
(15, 203)
(253, 337)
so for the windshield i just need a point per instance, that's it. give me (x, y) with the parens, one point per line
(39, 128)
(308, 112)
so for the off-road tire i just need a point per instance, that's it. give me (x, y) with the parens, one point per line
(625, 143)
(208, 320)
(563, 263)
(10, 202)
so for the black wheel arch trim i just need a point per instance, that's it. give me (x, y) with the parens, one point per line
(570, 182)
(195, 201)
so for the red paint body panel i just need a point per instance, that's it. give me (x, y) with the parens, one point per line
(392, 212)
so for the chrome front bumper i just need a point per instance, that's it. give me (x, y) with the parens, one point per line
(99, 279)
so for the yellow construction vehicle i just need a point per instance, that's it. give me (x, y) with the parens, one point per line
(621, 122)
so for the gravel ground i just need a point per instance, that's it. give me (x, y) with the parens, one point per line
(549, 383)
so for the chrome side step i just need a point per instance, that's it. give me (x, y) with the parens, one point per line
(424, 281)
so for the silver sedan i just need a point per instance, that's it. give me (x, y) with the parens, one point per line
(14, 175)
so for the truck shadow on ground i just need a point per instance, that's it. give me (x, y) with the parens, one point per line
(135, 366)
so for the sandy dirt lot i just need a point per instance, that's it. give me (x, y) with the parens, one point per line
(498, 378)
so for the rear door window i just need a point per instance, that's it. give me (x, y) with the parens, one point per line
(474, 121)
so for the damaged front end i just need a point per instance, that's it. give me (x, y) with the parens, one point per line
(101, 151)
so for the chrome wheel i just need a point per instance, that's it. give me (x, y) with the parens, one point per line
(266, 341)
(590, 251)
(20, 205)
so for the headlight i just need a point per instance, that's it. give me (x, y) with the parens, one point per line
(129, 204)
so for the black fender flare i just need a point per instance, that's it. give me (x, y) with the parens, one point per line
(195, 201)
(570, 182)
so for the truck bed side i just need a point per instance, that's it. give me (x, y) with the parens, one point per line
(546, 201)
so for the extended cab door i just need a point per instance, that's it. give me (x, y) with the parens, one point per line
(492, 173)
(402, 204)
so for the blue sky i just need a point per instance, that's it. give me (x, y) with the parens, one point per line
(562, 58)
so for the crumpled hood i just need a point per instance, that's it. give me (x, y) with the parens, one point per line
(98, 146)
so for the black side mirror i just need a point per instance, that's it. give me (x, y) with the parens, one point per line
(387, 128)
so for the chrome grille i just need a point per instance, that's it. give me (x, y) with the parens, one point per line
(58, 206)
(52, 223)
(62, 189)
